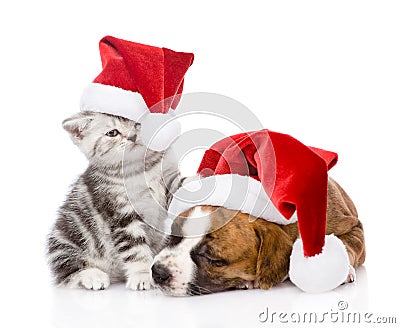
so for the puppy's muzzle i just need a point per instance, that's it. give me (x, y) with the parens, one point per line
(160, 273)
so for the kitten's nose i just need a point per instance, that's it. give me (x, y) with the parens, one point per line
(132, 138)
(160, 273)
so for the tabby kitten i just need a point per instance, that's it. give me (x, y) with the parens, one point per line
(108, 228)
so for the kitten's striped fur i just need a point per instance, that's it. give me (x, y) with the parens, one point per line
(99, 236)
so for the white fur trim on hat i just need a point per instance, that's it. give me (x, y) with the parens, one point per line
(322, 272)
(158, 130)
(112, 100)
(232, 191)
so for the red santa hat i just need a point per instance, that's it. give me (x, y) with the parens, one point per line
(275, 177)
(142, 83)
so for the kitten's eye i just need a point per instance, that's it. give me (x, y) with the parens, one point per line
(112, 133)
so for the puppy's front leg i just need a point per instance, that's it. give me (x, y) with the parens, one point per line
(355, 247)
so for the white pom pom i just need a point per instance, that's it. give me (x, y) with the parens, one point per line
(159, 130)
(321, 272)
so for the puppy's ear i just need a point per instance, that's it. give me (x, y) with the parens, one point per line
(273, 254)
(77, 124)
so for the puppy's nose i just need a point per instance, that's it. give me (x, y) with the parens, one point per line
(160, 273)
(132, 138)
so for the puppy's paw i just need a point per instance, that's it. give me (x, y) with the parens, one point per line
(92, 278)
(249, 285)
(351, 277)
(139, 281)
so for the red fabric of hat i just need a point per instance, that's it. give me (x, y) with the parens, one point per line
(275, 177)
(136, 81)
(292, 174)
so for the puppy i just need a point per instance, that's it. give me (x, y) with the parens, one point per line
(246, 252)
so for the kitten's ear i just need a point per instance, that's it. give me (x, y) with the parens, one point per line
(77, 124)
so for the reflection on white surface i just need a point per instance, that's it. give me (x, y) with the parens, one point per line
(42, 305)
(118, 307)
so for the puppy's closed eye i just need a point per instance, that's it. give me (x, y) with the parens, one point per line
(205, 254)
(213, 260)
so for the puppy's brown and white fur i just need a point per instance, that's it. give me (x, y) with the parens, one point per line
(246, 251)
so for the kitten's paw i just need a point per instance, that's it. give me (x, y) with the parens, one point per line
(93, 278)
(139, 281)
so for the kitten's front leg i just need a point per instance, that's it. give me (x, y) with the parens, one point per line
(138, 275)
(136, 256)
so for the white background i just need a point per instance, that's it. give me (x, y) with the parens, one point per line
(326, 72)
